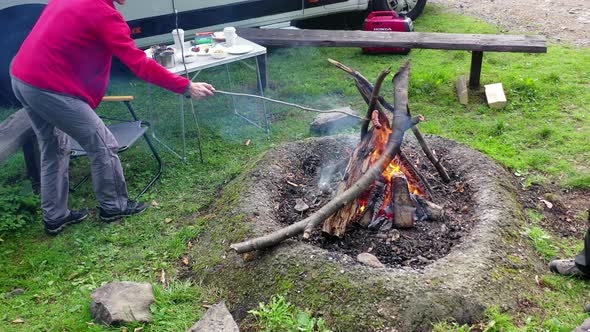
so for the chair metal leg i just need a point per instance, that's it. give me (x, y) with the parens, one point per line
(79, 184)
(159, 170)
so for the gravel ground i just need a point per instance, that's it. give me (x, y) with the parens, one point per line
(560, 20)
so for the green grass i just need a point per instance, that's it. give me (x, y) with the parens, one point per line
(280, 315)
(542, 135)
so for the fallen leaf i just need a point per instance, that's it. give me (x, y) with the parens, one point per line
(247, 257)
(206, 306)
(168, 220)
(247, 142)
(155, 204)
(72, 276)
(138, 329)
(190, 245)
(185, 260)
(537, 280)
(124, 329)
(548, 204)
(18, 321)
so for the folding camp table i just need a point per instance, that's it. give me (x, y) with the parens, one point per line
(205, 62)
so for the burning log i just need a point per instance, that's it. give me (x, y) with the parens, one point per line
(430, 211)
(404, 208)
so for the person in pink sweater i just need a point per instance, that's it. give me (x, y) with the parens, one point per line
(60, 75)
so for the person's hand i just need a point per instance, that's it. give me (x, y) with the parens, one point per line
(200, 90)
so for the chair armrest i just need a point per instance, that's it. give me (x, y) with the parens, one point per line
(118, 98)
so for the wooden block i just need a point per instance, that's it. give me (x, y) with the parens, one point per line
(328, 123)
(462, 91)
(495, 95)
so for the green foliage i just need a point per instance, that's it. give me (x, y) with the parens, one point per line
(281, 316)
(541, 241)
(454, 327)
(498, 321)
(17, 209)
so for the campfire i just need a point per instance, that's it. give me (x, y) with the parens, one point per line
(391, 200)
(381, 189)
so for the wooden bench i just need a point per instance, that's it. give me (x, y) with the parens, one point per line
(476, 43)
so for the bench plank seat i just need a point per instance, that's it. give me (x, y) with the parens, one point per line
(427, 40)
(476, 43)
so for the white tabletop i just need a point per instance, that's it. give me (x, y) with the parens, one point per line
(207, 61)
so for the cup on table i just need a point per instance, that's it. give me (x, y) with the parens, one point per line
(178, 35)
(230, 36)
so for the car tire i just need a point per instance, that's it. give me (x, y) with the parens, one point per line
(15, 23)
(416, 7)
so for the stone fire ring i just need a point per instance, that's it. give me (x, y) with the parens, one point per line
(353, 297)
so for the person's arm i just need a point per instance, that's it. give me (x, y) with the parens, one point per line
(116, 35)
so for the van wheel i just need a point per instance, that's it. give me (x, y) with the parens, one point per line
(407, 8)
(15, 23)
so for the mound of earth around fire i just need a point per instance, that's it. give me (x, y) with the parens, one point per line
(456, 280)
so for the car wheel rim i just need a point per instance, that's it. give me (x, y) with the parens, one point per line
(402, 7)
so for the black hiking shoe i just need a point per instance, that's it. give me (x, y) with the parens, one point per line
(565, 267)
(55, 227)
(133, 208)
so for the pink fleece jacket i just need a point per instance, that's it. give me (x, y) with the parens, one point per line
(70, 50)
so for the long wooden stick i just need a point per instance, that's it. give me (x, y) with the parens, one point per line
(362, 82)
(308, 109)
(439, 167)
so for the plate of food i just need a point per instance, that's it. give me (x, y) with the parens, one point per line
(240, 49)
(218, 52)
(202, 49)
(188, 58)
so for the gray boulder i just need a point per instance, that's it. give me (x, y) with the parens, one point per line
(14, 292)
(328, 123)
(216, 319)
(369, 260)
(122, 302)
(585, 327)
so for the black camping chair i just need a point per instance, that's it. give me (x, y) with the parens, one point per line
(126, 133)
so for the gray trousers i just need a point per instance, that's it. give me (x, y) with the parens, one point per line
(55, 118)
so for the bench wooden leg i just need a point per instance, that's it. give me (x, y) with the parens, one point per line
(475, 75)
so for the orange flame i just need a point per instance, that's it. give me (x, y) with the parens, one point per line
(395, 168)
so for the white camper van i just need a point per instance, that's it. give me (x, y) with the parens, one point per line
(152, 20)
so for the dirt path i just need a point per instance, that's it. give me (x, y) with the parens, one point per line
(559, 20)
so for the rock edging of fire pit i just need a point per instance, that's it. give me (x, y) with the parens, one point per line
(355, 297)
